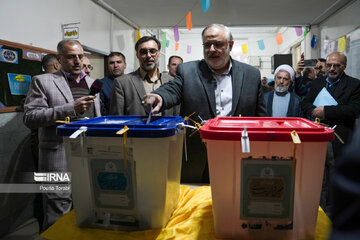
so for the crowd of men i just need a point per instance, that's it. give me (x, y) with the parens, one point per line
(214, 86)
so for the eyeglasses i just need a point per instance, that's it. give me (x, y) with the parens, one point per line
(88, 66)
(217, 45)
(335, 65)
(72, 57)
(145, 51)
(318, 68)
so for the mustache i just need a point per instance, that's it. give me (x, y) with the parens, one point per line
(214, 54)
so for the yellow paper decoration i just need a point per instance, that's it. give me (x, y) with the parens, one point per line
(138, 36)
(342, 43)
(244, 48)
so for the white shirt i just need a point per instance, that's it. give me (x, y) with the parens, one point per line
(223, 92)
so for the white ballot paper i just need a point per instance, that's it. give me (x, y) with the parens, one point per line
(324, 98)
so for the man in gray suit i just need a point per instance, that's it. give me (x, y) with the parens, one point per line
(52, 97)
(129, 89)
(215, 86)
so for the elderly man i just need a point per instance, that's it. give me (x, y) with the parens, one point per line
(53, 97)
(340, 113)
(129, 89)
(116, 66)
(174, 61)
(281, 102)
(87, 67)
(214, 86)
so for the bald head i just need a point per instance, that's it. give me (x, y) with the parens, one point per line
(338, 56)
(335, 65)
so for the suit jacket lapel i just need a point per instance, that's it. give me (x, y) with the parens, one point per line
(340, 88)
(138, 84)
(237, 77)
(291, 106)
(269, 103)
(63, 86)
(208, 82)
(89, 82)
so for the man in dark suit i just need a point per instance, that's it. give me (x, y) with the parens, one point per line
(52, 97)
(214, 86)
(346, 91)
(116, 66)
(129, 89)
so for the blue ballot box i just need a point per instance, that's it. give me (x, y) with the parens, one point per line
(125, 172)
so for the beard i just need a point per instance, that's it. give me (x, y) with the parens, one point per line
(217, 60)
(333, 75)
(281, 89)
(151, 66)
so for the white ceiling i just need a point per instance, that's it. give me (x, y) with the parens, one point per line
(168, 13)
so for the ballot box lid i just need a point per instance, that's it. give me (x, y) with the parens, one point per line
(108, 126)
(265, 129)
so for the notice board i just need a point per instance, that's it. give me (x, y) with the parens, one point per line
(18, 64)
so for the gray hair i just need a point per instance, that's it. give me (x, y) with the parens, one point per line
(48, 60)
(228, 34)
(62, 43)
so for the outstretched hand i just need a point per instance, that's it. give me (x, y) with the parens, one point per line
(152, 100)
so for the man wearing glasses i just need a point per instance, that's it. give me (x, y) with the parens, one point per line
(215, 86)
(335, 100)
(53, 97)
(87, 67)
(129, 89)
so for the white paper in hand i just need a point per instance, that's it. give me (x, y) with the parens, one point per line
(324, 98)
(149, 117)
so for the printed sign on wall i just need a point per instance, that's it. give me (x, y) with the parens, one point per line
(19, 83)
(31, 55)
(71, 32)
(9, 56)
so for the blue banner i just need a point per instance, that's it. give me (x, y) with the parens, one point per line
(19, 83)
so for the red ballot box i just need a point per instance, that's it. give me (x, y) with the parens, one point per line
(265, 175)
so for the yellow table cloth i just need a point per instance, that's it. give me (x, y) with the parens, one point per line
(192, 219)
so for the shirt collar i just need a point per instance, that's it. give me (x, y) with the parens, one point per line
(68, 76)
(144, 75)
(334, 83)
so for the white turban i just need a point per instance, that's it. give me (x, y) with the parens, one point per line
(285, 68)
